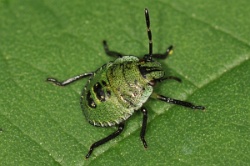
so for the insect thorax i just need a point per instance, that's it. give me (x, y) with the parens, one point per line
(117, 89)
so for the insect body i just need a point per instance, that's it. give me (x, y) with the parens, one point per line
(119, 88)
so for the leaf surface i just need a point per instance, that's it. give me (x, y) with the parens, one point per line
(42, 124)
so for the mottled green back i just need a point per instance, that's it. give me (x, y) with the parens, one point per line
(115, 91)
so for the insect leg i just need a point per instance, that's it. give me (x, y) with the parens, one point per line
(144, 125)
(106, 139)
(70, 80)
(164, 55)
(169, 78)
(177, 102)
(111, 53)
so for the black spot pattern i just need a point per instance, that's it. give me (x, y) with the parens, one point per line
(104, 83)
(144, 70)
(99, 92)
(91, 102)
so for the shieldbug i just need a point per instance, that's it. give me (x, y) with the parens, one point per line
(119, 88)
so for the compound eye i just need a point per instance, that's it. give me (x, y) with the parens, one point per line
(147, 58)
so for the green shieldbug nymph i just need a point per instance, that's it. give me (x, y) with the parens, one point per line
(119, 88)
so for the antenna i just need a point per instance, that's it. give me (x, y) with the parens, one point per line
(149, 57)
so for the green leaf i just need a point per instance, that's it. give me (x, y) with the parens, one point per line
(42, 124)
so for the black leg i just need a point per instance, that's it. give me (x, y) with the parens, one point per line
(169, 78)
(111, 53)
(164, 55)
(177, 102)
(106, 139)
(144, 126)
(68, 81)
